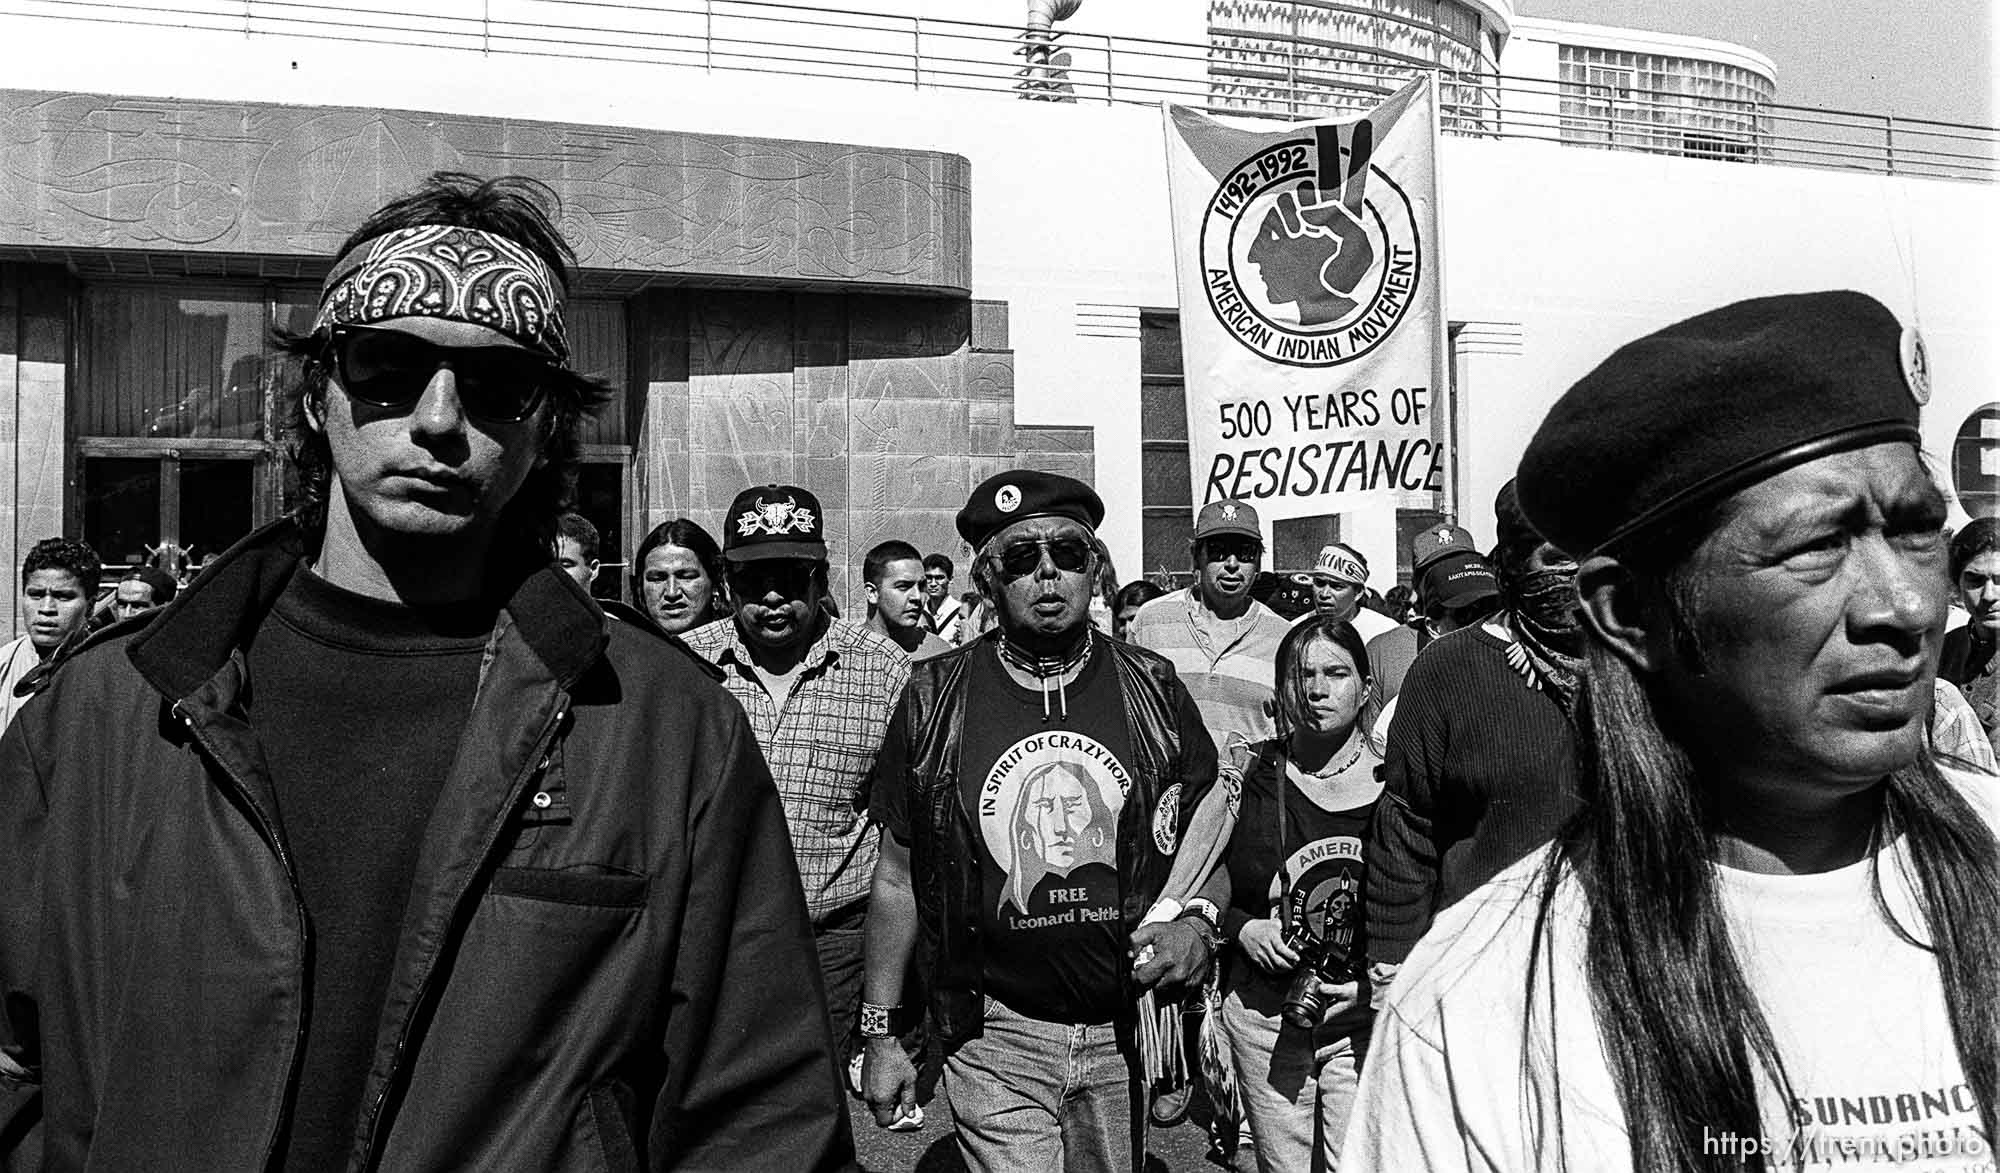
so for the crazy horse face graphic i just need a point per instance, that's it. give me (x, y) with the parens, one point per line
(1313, 247)
(1059, 824)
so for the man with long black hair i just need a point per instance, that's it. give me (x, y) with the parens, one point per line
(383, 848)
(1769, 940)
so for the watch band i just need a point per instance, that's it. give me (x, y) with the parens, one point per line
(877, 1022)
(1205, 909)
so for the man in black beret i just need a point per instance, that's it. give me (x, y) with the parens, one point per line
(1773, 883)
(1031, 855)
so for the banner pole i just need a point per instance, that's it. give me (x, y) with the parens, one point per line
(1444, 424)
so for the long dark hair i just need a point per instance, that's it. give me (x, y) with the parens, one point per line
(1981, 535)
(1290, 701)
(1679, 1022)
(524, 211)
(687, 534)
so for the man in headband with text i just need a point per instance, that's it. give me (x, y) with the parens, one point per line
(382, 847)
(1037, 794)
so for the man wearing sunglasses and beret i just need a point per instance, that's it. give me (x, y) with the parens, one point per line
(1035, 795)
(382, 848)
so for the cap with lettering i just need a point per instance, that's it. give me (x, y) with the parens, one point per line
(1342, 563)
(1456, 579)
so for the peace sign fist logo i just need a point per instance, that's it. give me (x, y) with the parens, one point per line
(1310, 252)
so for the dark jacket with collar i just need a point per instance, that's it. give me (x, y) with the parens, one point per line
(1174, 765)
(604, 962)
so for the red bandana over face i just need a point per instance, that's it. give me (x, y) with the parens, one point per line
(440, 271)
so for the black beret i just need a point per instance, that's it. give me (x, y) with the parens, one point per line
(1002, 500)
(1687, 416)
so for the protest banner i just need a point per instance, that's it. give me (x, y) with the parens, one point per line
(1311, 308)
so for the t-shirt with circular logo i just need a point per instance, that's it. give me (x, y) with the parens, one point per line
(1044, 794)
(1313, 879)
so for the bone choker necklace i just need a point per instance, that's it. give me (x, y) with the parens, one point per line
(1050, 668)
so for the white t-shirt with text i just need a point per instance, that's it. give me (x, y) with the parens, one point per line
(1857, 1013)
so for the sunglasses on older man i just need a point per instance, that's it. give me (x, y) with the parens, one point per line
(1021, 559)
(390, 369)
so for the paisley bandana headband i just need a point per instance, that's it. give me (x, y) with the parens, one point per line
(439, 271)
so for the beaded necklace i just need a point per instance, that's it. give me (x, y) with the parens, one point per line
(1047, 668)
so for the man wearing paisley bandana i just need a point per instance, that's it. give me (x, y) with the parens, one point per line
(1038, 795)
(1480, 765)
(382, 847)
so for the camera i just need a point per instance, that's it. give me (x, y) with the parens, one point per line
(1321, 959)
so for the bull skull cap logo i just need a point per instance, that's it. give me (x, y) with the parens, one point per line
(775, 517)
(1229, 513)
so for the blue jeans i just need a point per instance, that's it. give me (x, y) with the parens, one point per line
(1297, 1086)
(839, 941)
(1040, 1095)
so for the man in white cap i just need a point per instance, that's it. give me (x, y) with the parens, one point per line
(1340, 578)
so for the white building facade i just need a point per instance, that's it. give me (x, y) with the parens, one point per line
(948, 258)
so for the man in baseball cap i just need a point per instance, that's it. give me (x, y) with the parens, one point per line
(1041, 781)
(1455, 586)
(818, 691)
(1221, 641)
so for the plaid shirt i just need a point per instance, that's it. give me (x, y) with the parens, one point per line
(821, 746)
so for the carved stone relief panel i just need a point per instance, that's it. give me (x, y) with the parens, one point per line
(98, 171)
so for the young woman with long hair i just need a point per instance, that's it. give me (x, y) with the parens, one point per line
(1293, 1013)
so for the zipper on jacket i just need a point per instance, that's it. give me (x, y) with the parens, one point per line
(269, 829)
(538, 758)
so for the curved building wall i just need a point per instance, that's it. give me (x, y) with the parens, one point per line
(1301, 58)
(1675, 105)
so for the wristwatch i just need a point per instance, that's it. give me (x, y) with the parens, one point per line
(1205, 909)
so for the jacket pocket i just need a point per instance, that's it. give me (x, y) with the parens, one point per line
(598, 889)
(614, 1133)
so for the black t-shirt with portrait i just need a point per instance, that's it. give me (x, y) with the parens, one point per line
(1044, 794)
(1313, 877)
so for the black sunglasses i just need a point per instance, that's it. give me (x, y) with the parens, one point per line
(1021, 559)
(390, 369)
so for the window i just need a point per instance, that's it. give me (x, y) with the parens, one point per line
(173, 435)
(176, 421)
(1166, 494)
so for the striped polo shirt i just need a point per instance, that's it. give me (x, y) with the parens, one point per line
(1227, 665)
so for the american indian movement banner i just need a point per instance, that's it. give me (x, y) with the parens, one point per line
(1311, 307)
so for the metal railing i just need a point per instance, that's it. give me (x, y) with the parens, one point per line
(927, 53)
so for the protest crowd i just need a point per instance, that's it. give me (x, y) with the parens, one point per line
(1656, 833)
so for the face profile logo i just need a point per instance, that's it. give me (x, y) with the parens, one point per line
(1309, 252)
(1008, 499)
